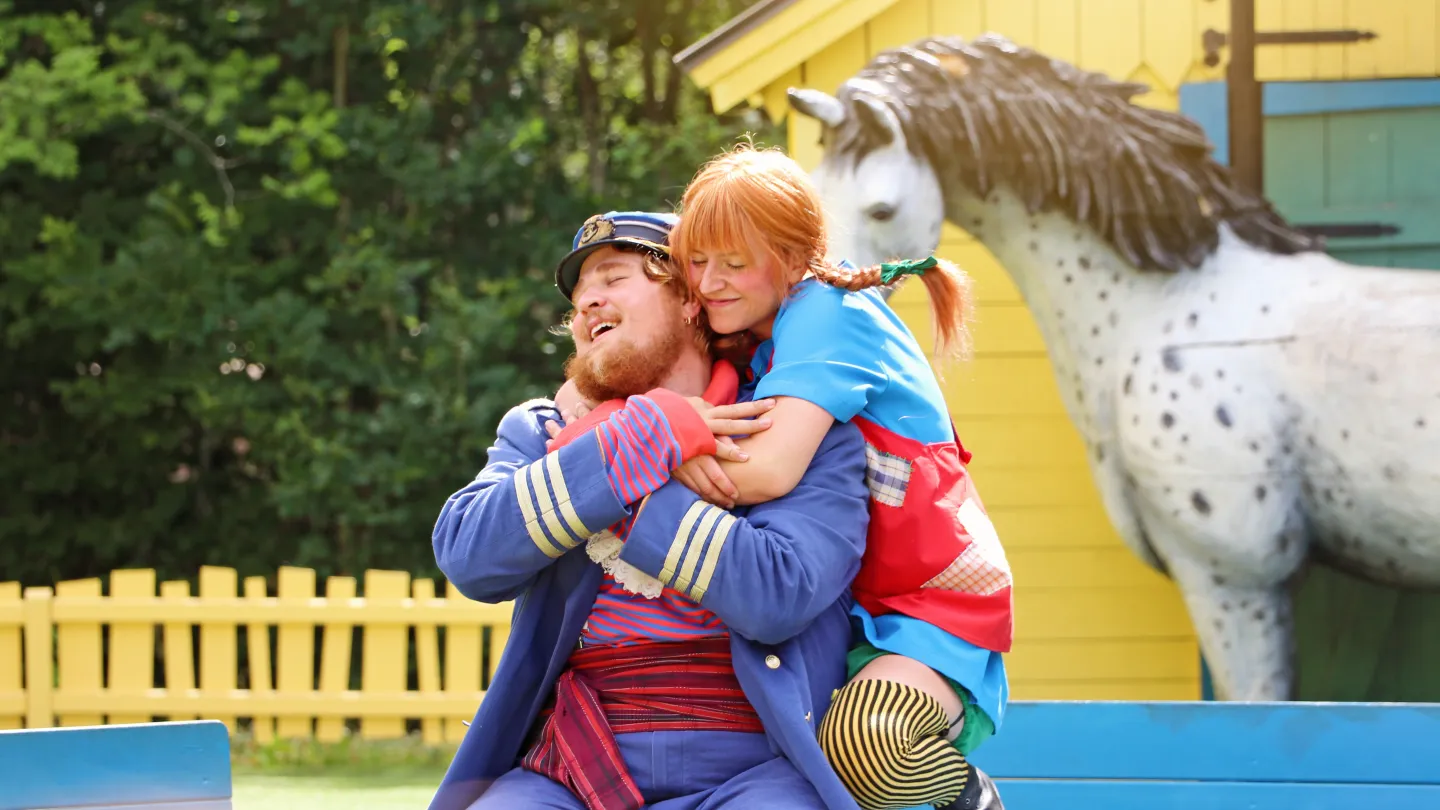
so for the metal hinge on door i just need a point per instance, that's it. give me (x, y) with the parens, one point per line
(1212, 41)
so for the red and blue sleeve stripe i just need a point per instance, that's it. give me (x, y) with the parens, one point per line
(648, 439)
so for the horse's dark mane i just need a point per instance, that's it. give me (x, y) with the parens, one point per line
(1064, 139)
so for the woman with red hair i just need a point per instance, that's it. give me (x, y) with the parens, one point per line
(933, 611)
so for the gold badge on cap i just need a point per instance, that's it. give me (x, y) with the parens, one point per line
(595, 229)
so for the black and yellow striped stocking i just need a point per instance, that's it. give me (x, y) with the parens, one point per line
(886, 741)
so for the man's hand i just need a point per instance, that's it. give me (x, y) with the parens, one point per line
(570, 403)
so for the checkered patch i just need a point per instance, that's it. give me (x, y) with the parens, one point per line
(887, 475)
(981, 568)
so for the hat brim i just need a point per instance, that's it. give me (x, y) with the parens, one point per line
(567, 273)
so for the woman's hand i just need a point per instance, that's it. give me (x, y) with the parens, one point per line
(702, 475)
(733, 420)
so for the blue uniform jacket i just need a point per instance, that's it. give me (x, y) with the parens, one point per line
(778, 574)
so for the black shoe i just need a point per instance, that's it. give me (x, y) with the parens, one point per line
(979, 794)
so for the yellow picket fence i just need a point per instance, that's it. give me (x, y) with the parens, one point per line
(89, 657)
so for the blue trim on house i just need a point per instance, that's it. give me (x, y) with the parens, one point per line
(1206, 102)
(1310, 98)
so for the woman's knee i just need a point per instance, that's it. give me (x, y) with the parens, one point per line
(886, 741)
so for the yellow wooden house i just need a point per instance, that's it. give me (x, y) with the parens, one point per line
(1092, 621)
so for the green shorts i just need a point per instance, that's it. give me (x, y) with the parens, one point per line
(978, 725)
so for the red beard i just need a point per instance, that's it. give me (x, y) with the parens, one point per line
(626, 369)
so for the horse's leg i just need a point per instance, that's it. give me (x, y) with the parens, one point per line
(1245, 628)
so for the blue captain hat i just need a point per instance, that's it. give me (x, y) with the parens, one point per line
(642, 229)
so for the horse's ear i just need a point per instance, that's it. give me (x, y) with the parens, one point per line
(816, 104)
(877, 120)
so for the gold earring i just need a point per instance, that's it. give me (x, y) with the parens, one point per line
(689, 321)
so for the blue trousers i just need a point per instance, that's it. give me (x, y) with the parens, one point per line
(677, 770)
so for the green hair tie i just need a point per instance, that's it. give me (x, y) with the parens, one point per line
(893, 270)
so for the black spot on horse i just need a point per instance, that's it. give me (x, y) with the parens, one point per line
(1420, 422)
(1265, 310)
(1085, 262)
(1095, 331)
(1034, 246)
(1254, 447)
(1129, 383)
(1069, 278)
(1171, 358)
(1200, 502)
(1167, 419)
(1344, 435)
(1192, 319)
(1217, 579)
(1223, 416)
(1260, 492)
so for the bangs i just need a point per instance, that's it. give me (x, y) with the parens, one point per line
(716, 218)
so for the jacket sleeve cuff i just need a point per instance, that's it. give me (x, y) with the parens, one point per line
(689, 428)
(565, 497)
(678, 538)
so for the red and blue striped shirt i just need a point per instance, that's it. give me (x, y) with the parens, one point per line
(641, 448)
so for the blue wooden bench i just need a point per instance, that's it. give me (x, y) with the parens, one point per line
(165, 766)
(1216, 756)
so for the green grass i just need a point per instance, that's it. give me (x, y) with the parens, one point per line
(354, 775)
(262, 792)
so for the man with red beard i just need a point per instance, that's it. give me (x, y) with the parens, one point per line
(683, 657)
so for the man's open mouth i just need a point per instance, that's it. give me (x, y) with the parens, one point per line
(601, 328)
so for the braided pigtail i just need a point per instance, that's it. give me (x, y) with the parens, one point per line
(951, 305)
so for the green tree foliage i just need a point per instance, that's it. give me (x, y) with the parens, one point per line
(271, 271)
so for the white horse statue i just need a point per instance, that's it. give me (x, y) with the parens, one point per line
(1248, 403)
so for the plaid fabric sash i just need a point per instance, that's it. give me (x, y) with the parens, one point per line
(648, 686)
